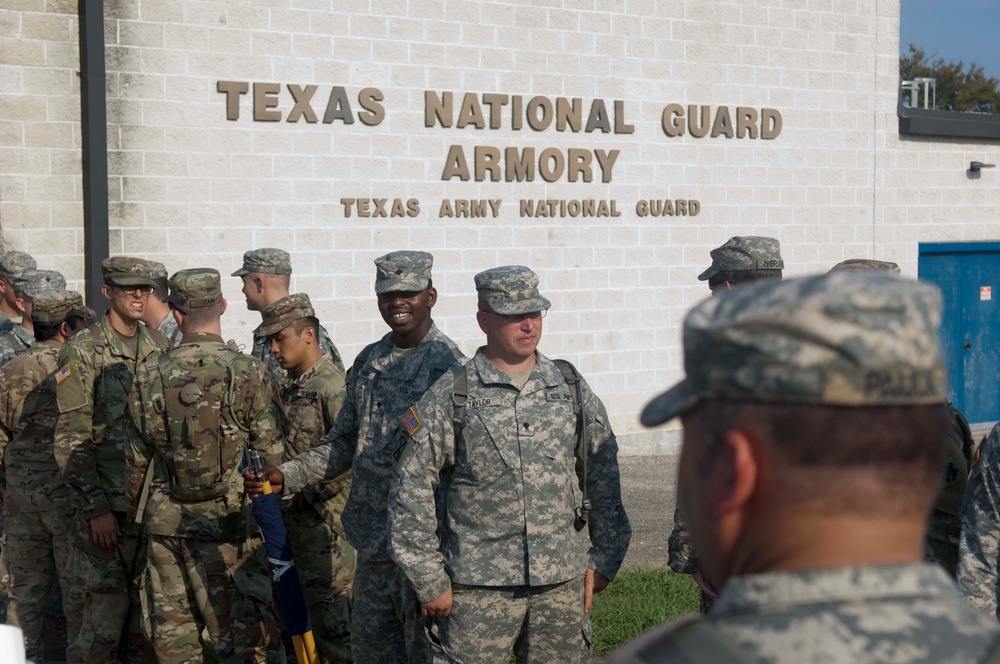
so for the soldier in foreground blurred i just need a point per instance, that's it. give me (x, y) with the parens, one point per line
(814, 415)
(194, 406)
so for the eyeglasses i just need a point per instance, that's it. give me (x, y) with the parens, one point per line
(136, 290)
(517, 318)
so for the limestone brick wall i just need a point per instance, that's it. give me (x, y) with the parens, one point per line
(191, 187)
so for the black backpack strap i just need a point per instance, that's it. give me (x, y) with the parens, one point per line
(575, 383)
(459, 397)
(688, 640)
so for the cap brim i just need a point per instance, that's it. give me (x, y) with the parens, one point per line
(240, 272)
(401, 286)
(84, 312)
(273, 328)
(708, 274)
(513, 307)
(672, 403)
(133, 281)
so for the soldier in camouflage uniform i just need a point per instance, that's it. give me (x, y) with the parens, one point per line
(312, 395)
(742, 259)
(388, 376)
(814, 412)
(11, 263)
(93, 388)
(979, 550)
(37, 505)
(266, 276)
(513, 565)
(194, 407)
(26, 284)
(158, 315)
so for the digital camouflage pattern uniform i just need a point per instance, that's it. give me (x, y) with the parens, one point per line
(844, 340)
(37, 505)
(93, 388)
(979, 547)
(386, 625)
(167, 325)
(278, 261)
(27, 284)
(194, 408)
(324, 559)
(512, 483)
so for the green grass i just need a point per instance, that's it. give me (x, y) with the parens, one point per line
(637, 600)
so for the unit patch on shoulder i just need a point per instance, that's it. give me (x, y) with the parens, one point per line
(62, 375)
(411, 422)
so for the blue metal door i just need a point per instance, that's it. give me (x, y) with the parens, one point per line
(969, 276)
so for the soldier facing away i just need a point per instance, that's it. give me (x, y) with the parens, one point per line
(194, 407)
(388, 376)
(266, 276)
(93, 388)
(814, 415)
(507, 558)
(39, 512)
(311, 397)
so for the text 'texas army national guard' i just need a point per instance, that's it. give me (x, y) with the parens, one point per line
(311, 396)
(266, 276)
(388, 376)
(815, 414)
(194, 408)
(518, 558)
(37, 504)
(93, 389)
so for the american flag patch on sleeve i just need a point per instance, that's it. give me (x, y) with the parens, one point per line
(62, 375)
(411, 422)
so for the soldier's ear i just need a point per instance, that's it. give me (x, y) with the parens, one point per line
(432, 297)
(106, 291)
(225, 303)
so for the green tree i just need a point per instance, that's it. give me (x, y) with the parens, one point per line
(958, 89)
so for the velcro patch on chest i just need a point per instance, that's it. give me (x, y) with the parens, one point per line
(411, 422)
(62, 375)
(480, 402)
(556, 395)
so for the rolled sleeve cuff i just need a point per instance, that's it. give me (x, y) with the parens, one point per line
(91, 505)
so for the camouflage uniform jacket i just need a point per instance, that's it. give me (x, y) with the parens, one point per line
(14, 343)
(979, 548)
(249, 414)
(6, 323)
(168, 328)
(262, 351)
(28, 412)
(90, 430)
(311, 402)
(379, 390)
(512, 485)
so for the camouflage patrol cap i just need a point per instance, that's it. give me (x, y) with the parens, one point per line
(53, 306)
(841, 339)
(746, 252)
(859, 264)
(31, 282)
(285, 311)
(265, 261)
(127, 271)
(403, 271)
(195, 288)
(511, 289)
(12, 262)
(158, 271)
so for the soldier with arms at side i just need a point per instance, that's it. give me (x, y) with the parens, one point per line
(158, 315)
(11, 263)
(93, 389)
(499, 465)
(311, 397)
(37, 504)
(814, 414)
(194, 407)
(388, 376)
(266, 276)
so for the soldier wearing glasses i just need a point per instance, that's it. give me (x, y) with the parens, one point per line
(93, 385)
(512, 567)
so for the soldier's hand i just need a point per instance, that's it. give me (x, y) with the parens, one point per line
(594, 582)
(254, 484)
(437, 608)
(104, 530)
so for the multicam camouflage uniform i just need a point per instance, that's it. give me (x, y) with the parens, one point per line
(979, 548)
(508, 548)
(324, 559)
(93, 388)
(194, 407)
(385, 623)
(39, 511)
(26, 284)
(820, 339)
